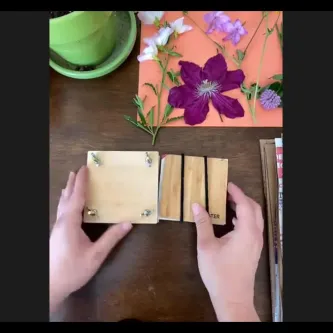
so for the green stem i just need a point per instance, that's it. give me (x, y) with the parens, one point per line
(248, 44)
(279, 36)
(259, 69)
(223, 51)
(267, 34)
(253, 114)
(159, 95)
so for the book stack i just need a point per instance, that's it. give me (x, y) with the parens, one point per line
(272, 169)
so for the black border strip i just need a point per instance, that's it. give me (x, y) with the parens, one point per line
(206, 183)
(182, 188)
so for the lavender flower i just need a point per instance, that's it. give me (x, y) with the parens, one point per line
(216, 20)
(235, 32)
(269, 99)
(205, 84)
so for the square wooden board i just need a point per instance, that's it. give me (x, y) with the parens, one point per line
(122, 187)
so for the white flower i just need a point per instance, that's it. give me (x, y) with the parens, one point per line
(150, 17)
(162, 37)
(149, 53)
(179, 27)
(159, 39)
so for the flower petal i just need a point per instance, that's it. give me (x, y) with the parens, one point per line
(163, 36)
(233, 80)
(190, 73)
(180, 96)
(225, 27)
(177, 24)
(209, 17)
(228, 106)
(149, 17)
(215, 69)
(185, 28)
(196, 111)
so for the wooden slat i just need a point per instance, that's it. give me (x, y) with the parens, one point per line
(170, 187)
(194, 185)
(217, 189)
(122, 187)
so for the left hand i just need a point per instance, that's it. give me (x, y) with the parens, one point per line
(74, 259)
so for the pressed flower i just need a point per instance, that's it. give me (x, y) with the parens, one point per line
(160, 38)
(269, 99)
(179, 27)
(149, 53)
(235, 32)
(217, 20)
(204, 84)
(150, 17)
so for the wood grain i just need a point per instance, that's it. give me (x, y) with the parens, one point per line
(153, 274)
(194, 185)
(122, 187)
(170, 187)
(217, 189)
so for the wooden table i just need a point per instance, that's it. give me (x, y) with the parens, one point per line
(153, 275)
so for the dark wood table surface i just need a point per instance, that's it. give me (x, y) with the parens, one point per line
(152, 275)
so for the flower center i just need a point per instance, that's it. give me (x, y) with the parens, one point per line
(207, 88)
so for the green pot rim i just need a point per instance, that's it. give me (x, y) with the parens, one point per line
(109, 67)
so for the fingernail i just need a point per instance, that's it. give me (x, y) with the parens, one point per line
(196, 208)
(127, 226)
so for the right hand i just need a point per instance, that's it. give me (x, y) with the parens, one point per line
(228, 265)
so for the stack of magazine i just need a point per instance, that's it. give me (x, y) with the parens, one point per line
(272, 168)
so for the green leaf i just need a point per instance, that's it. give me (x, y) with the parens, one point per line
(139, 103)
(185, 12)
(276, 86)
(177, 73)
(240, 55)
(173, 77)
(173, 53)
(167, 111)
(151, 86)
(137, 124)
(150, 116)
(278, 77)
(174, 119)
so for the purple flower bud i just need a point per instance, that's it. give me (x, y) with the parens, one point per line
(269, 99)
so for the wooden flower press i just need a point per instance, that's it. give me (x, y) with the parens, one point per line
(144, 187)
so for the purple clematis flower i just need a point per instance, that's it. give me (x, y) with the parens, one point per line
(205, 84)
(235, 32)
(219, 21)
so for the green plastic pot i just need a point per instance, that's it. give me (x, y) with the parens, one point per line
(83, 38)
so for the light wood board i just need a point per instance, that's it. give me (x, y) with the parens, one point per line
(170, 187)
(194, 183)
(122, 187)
(217, 189)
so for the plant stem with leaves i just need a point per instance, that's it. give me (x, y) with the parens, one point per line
(147, 123)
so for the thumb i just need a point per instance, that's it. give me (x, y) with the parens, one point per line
(205, 232)
(101, 248)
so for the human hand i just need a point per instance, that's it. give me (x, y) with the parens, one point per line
(228, 264)
(74, 259)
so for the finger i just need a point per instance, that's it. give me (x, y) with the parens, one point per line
(101, 248)
(244, 207)
(69, 186)
(79, 190)
(236, 195)
(205, 232)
